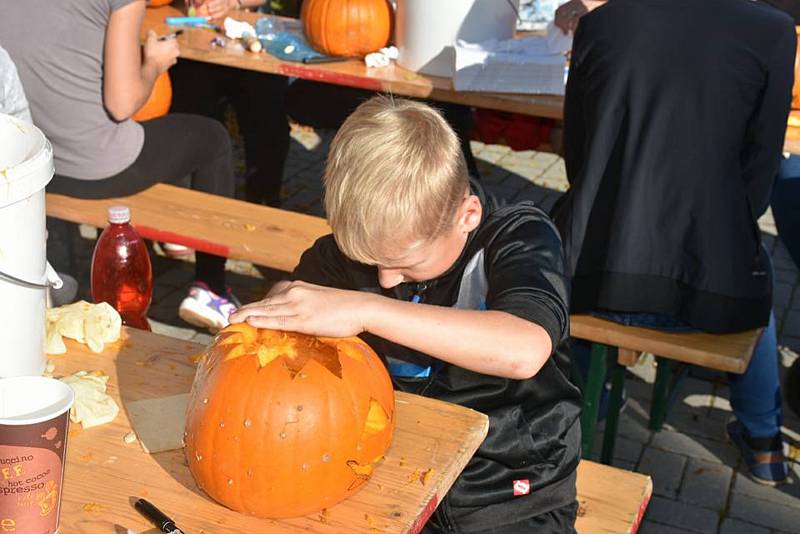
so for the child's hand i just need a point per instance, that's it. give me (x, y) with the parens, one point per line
(217, 9)
(308, 309)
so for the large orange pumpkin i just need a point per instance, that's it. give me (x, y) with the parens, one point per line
(159, 101)
(282, 424)
(158, 3)
(347, 27)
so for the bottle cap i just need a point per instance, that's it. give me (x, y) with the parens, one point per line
(119, 214)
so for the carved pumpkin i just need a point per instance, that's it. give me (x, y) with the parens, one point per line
(281, 424)
(159, 102)
(347, 27)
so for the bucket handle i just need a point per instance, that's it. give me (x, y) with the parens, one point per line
(53, 280)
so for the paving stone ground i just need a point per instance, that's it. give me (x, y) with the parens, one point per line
(700, 484)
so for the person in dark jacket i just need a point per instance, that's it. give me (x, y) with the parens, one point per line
(675, 115)
(466, 302)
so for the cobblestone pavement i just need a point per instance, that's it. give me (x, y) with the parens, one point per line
(699, 481)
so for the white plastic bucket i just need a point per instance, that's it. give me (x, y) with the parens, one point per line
(426, 30)
(26, 167)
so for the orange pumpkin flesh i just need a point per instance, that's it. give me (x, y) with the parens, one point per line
(347, 27)
(282, 424)
(159, 102)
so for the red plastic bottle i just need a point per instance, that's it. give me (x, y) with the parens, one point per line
(121, 271)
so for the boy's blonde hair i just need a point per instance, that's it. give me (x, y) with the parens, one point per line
(395, 178)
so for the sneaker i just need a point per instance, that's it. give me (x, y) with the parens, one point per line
(763, 456)
(206, 309)
(174, 250)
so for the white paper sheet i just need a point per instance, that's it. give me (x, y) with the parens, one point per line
(533, 65)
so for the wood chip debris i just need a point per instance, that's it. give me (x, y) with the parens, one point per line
(422, 476)
(130, 437)
(92, 507)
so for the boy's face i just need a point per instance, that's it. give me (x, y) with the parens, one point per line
(427, 260)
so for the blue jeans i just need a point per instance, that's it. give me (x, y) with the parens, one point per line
(755, 395)
(786, 205)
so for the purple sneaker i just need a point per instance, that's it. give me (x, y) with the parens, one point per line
(206, 309)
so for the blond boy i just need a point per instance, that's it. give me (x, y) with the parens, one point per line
(466, 302)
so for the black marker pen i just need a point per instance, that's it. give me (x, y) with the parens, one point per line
(157, 517)
(172, 35)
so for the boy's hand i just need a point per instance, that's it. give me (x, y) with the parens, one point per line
(308, 309)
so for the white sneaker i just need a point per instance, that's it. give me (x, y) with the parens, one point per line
(206, 309)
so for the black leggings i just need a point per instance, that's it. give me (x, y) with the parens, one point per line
(185, 150)
(257, 98)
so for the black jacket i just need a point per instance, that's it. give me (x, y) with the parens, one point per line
(512, 262)
(675, 115)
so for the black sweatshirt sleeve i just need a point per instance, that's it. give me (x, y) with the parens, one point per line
(767, 127)
(525, 271)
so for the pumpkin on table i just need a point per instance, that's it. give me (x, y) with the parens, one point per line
(347, 27)
(158, 3)
(281, 424)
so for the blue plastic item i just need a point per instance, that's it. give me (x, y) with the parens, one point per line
(285, 40)
(187, 21)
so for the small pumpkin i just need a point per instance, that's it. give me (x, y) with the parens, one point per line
(347, 27)
(159, 102)
(281, 424)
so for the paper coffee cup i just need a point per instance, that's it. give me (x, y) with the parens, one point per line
(34, 420)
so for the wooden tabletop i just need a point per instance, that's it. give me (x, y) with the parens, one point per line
(103, 473)
(196, 44)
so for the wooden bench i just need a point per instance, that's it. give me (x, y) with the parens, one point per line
(617, 346)
(610, 499)
(276, 238)
(226, 227)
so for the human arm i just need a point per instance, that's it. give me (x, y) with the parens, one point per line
(129, 70)
(489, 342)
(568, 14)
(218, 9)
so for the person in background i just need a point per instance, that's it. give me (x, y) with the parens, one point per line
(672, 143)
(467, 302)
(86, 73)
(258, 101)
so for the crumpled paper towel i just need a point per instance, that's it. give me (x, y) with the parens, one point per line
(381, 58)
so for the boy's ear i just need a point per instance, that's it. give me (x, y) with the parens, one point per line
(470, 213)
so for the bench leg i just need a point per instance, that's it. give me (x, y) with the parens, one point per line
(591, 396)
(658, 409)
(614, 407)
(665, 390)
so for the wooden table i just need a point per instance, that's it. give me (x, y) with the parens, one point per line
(103, 473)
(196, 44)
